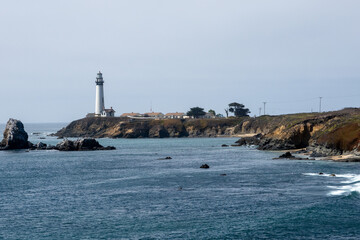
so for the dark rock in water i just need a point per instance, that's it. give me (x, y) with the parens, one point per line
(108, 148)
(166, 158)
(85, 144)
(41, 146)
(301, 151)
(286, 155)
(31, 146)
(332, 175)
(50, 147)
(15, 136)
(66, 145)
(255, 140)
(224, 145)
(276, 144)
(204, 166)
(223, 174)
(320, 173)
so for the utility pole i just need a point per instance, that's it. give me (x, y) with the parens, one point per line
(264, 106)
(259, 111)
(320, 104)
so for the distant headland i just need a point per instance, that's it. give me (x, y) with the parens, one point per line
(322, 134)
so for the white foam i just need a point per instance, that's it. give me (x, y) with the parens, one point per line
(320, 175)
(350, 184)
(344, 190)
(336, 193)
(312, 174)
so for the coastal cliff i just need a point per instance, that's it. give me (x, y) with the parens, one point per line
(130, 128)
(323, 133)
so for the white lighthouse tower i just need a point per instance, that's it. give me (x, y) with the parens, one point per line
(99, 100)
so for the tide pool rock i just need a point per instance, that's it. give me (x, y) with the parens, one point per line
(15, 136)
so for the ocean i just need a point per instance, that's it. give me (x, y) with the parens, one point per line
(129, 193)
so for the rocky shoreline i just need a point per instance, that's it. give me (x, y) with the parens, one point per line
(331, 135)
(321, 134)
(15, 137)
(325, 138)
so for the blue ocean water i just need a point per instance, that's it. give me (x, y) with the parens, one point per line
(129, 194)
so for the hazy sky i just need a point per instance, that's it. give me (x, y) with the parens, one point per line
(177, 55)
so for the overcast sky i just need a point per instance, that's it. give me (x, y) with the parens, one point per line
(176, 55)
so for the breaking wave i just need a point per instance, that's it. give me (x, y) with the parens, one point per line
(349, 185)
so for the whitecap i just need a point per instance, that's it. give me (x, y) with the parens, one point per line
(350, 183)
(311, 174)
(344, 190)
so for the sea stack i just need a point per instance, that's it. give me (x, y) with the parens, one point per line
(15, 136)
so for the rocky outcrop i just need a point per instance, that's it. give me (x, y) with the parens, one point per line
(41, 146)
(248, 141)
(341, 138)
(86, 144)
(15, 136)
(283, 138)
(288, 155)
(323, 135)
(66, 145)
(205, 166)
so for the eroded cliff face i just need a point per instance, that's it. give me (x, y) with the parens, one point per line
(337, 139)
(325, 134)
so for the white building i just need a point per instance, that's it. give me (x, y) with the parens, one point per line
(176, 115)
(108, 113)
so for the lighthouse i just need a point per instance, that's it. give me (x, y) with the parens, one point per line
(100, 110)
(99, 100)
